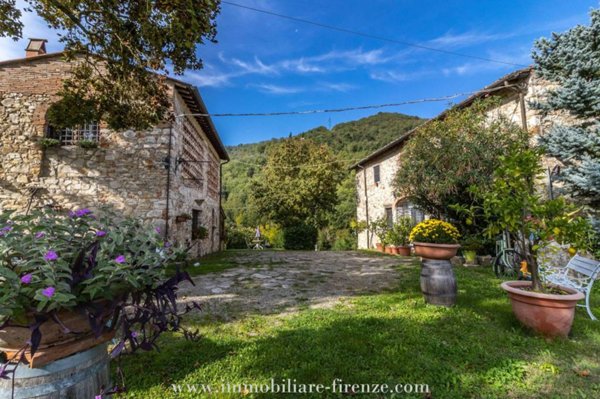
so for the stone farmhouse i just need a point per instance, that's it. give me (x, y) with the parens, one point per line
(376, 172)
(169, 175)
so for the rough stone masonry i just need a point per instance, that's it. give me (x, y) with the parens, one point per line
(127, 171)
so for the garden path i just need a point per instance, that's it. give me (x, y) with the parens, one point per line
(285, 281)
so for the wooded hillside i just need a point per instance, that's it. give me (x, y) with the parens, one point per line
(350, 141)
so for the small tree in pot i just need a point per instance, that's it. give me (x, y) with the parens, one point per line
(398, 235)
(512, 204)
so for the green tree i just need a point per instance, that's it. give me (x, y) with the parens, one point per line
(511, 203)
(133, 38)
(445, 157)
(572, 61)
(298, 183)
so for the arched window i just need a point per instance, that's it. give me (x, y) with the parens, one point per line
(405, 208)
(71, 136)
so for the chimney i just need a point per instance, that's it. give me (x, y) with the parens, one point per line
(35, 47)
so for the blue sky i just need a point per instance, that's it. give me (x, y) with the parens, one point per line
(262, 63)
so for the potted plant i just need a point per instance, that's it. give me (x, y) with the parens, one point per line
(470, 245)
(380, 228)
(399, 235)
(67, 279)
(200, 233)
(512, 204)
(435, 239)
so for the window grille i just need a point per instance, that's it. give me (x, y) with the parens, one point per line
(71, 136)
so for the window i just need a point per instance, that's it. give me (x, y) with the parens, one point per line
(389, 216)
(407, 209)
(376, 174)
(195, 224)
(71, 136)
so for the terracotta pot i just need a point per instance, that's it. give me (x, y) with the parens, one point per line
(404, 250)
(389, 250)
(379, 247)
(549, 314)
(436, 251)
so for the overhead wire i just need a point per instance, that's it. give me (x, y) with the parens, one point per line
(371, 36)
(345, 109)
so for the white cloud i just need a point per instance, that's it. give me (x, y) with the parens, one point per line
(204, 78)
(519, 56)
(466, 39)
(255, 67)
(340, 87)
(276, 89)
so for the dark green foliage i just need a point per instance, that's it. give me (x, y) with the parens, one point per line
(299, 237)
(572, 61)
(88, 144)
(298, 183)
(445, 157)
(134, 38)
(238, 237)
(46, 142)
(345, 240)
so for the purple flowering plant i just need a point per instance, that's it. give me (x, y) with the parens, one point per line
(51, 262)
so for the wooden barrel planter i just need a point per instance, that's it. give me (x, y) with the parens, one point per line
(438, 283)
(75, 377)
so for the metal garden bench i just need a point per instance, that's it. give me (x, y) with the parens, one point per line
(580, 274)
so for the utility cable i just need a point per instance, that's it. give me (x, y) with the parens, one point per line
(371, 36)
(356, 108)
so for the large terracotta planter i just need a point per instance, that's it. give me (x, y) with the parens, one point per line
(403, 250)
(379, 247)
(389, 250)
(56, 343)
(435, 251)
(549, 314)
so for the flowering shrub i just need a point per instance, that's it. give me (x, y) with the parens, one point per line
(52, 261)
(435, 231)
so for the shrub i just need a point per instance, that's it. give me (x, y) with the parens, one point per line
(299, 237)
(273, 234)
(435, 231)
(325, 239)
(88, 144)
(238, 237)
(400, 231)
(47, 142)
(344, 241)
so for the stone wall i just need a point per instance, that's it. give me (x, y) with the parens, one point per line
(126, 172)
(381, 196)
(200, 192)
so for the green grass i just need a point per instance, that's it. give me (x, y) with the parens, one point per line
(474, 350)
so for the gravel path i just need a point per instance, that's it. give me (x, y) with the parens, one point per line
(283, 281)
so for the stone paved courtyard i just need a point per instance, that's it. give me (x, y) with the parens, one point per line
(284, 281)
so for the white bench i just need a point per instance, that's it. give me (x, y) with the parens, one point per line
(580, 274)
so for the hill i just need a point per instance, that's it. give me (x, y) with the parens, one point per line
(350, 141)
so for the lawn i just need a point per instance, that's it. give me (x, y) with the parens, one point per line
(474, 350)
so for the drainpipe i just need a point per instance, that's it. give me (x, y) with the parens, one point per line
(523, 109)
(221, 213)
(366, 205)
(168, 166)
